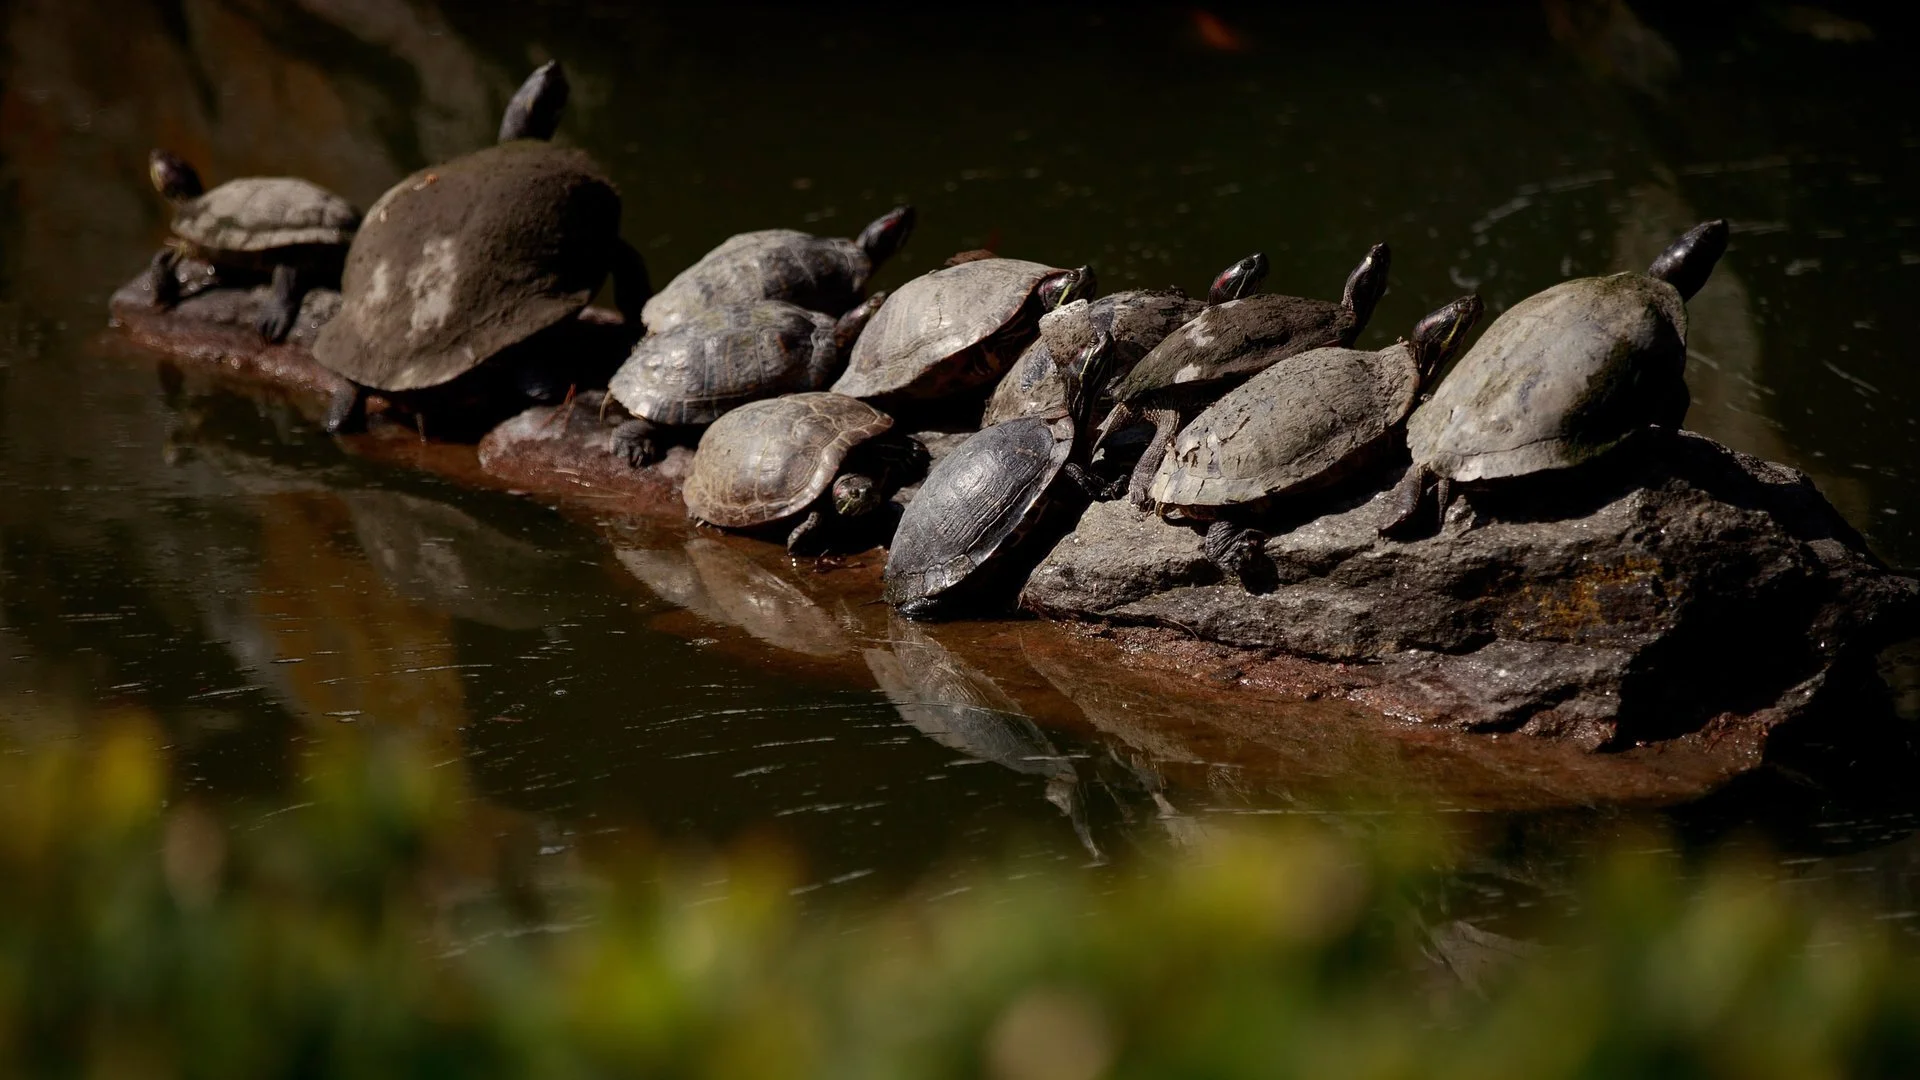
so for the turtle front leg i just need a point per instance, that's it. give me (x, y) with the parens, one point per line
(1094, 487)
(283, 304)
(346, 408)
(1403, 503)
(808, 537)
(1166, 424)
(1235, 549)
(161, 280)
(638, 442)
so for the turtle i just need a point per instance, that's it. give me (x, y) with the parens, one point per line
(954, 331)
(820, 461)
(1226, 345)
(1562, 378)
(822, 274)
(680, 380)
(291, 231)
(1301, 427)
(1138, 319)
(464, 260)
(980, 501)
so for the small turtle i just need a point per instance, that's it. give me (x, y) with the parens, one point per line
(1226, 345)
(817, 273)
(680, 380)
(981, 500)
(1300, 427)
(821, 461)
(1138, 319)
(464, 260)
(1563, 377)
(956, 330)
(279, 227)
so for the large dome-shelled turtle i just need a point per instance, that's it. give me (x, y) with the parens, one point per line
(462, 261)
(1563, 377)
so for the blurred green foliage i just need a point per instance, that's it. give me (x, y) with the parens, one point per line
(345, 938)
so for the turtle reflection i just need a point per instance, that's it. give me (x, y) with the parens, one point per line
(961, 708)
(722, 585)
(445, 560)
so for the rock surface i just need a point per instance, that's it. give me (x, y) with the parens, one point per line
(1686, 588)
(568, 448)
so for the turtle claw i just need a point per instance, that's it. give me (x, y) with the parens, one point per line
(633, 443)
(343, 407)
(275, 324)
(283, 307)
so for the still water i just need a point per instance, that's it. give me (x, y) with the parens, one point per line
(212, 561)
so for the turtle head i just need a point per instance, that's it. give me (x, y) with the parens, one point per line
(173, 177)
(1087, 375)
(1063, 286)
(887, 234)
(847, 329)
(1241, 279)
(1687, 264)
(854, 495)
(1438, 336)
(534, 111)
(1366, 285)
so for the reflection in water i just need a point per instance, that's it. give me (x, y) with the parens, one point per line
(444, 560)
(332, 637)
(720, 584)
(962, 709)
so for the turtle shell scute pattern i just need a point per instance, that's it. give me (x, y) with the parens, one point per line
(770, 459)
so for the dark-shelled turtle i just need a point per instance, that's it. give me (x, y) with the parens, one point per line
(956, 330)
(462, 261)
(827, 274)
(1563, 377)
(1226, 345)
(1302, 426)
(980, 501)
(822, 461)
(680, 380)
(1137, 319)
(280, 228)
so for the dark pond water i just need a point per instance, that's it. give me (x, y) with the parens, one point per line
(212, 561)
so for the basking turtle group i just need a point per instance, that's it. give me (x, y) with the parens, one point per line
(1239, 414)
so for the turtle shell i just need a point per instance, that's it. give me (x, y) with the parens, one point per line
(261, 213)
(1226, 343)
(721, 358)
(817, 273)
(1561, 377)
(1300, 425)
(921, 343)
(1137, 319)
(462, 260)
(769, 459)
(976, 501)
